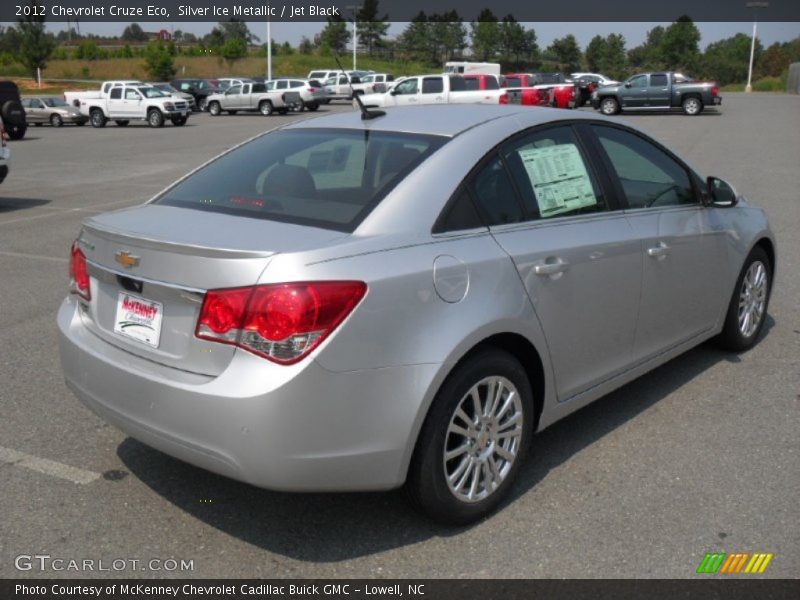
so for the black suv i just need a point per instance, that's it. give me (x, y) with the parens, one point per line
(11, 110)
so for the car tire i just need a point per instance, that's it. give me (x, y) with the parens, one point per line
(609, 106)
(747, 310)
(214, 109)
(122, 122)
(265, 108)
(202, 104)
(465, 460)
(56, 120)
(97, 118)
(692, 106)
(155, 118)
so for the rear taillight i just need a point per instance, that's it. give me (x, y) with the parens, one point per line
(312, 89)
(714, 91)
(282, 322)
(78, 274)
(503, 98)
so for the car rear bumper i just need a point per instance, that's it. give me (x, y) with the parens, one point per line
(717, 100)
(297, 428)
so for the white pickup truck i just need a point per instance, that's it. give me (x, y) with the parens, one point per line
(123, 102)
(75, 98)
(431, 89)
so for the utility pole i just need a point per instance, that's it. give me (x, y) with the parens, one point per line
(755, 6)
(269, 47)
(355, 8)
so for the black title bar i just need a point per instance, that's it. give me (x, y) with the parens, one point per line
(165, 11)
(708, 587)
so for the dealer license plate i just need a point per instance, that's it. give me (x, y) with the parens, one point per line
(139, 319)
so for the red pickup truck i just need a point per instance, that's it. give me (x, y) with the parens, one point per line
(563, 92)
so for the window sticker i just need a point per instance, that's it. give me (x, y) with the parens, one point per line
(559, 178)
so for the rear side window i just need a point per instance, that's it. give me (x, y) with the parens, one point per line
(551, 174)
(658, 80)
(432, 85)
(472, 84)
(319, 177)
(495, 194)
(513, 82)
(649, 176)
(458, 84)
(491, 84)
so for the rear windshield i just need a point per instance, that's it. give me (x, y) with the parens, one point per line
(328, 178)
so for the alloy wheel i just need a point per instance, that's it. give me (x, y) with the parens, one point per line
(753, 298)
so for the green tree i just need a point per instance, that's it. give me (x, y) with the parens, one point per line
(513, 41)
(727, 61)
(415, 41)
(648, 55)
(334, 36)
(448, 36)
(159, 61)
(680, 48)
(237, 29)
(87, 50)
(596, 51)
(233, 49)
(305, 47)
(134, 33)
(773, 62)
(486, 38)
(371, 28)
(567, 53)
(35, 44)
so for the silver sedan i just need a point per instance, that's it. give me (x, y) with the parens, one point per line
(361, 304)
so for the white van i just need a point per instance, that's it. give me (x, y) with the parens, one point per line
(463, 68)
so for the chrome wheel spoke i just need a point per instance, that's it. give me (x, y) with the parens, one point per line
(482, 439)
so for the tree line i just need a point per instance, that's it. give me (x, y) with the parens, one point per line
(431, 39)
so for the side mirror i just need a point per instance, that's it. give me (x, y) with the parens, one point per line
(393, 92)
(627, 84)
(721, 193)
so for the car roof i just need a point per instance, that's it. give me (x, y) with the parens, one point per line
(447, 120)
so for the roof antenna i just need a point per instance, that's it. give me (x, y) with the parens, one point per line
(366, 114)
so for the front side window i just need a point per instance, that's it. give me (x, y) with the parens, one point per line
(407, 87)
(235, 90)
(324, 178)
(649, 176)
(132, 95)
(551, 174)
(640, 81)
(37, 104)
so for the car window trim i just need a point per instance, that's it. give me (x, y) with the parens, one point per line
(612, 173)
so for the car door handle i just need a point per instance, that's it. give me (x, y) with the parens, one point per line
(551, 268)
(659, 251)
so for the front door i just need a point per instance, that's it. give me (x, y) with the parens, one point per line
(682, 248)
(634, 93)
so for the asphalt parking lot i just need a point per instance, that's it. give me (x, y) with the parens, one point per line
(700, 455)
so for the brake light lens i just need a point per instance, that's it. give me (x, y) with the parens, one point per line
(281, 322)
(312, 89)
(78, 273)
(714, 91)
(503, 98)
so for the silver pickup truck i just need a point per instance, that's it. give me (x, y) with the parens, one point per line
(252, 97)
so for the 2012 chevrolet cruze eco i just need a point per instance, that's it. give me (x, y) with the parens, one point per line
(348, 304)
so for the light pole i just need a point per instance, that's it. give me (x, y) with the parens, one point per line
(354, 8)
(755, 6)
(269, 47)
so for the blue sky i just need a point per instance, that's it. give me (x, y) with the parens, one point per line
(768, 32)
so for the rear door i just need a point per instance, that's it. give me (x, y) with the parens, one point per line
(432, 90)
(682, 245)
(576, 254)
(116, 103)
(659, 91)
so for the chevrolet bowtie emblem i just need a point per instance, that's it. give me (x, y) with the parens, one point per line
(126, 259)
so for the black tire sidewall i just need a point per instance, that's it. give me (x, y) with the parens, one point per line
(731, 338)
(426, 482)
(56, 121)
